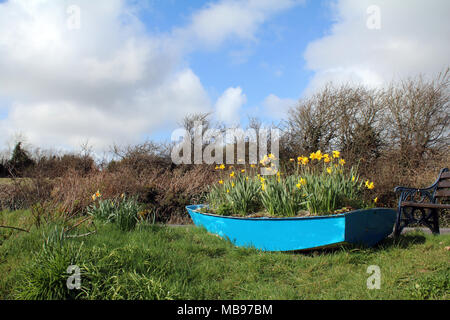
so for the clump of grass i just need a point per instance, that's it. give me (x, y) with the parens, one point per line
(123, 212)
(101, 275)
(45, 277)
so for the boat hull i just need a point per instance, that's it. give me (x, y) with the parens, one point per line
(364, 227)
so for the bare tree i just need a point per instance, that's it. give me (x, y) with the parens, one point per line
(311, 123)
(418, 114)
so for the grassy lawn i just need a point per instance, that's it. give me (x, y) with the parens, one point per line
(155, 262)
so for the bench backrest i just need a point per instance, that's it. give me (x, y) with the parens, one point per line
(443, 185)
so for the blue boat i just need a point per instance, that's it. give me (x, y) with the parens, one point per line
(360, 227)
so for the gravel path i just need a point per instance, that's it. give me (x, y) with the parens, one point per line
(426, 230)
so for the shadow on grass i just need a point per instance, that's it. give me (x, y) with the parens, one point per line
(405, 241)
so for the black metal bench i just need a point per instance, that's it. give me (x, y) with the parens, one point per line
(421, 206)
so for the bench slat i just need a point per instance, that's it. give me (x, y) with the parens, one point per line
(425, 205)
(444, 184)
(442, 193)
(445, 175)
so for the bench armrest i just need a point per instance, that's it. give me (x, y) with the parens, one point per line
(403, 189)
(408, 194)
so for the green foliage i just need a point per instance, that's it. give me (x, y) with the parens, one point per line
(282, 197)
(319, 187)
(122, 212)
(328, 191)
(432, 286)
(45, 277)
(239, 195)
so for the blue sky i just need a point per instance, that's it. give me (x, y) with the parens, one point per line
(121, 71)
(272, 64)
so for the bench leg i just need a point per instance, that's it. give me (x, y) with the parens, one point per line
(398, 223)
(435, 222)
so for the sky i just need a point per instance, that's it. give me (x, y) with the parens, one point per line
(123, 71)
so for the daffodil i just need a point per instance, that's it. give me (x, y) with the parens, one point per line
(232, 174)
(353, 178)
(302, 181)
(233, 185)
(342, 162)
(370, 185)
(264, 160)
(336, 154)
(316, 155)
(243, 170)
(222, 167)
(329, 170)
(375, 200)
(220, 181)
(303, 160)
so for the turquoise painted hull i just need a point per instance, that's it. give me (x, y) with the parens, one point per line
(363, 227)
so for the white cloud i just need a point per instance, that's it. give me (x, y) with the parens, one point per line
(413, 39)
(108, 81)
(228, 105)
(277, 108)
(231, 19)
(111, 80)
(68, 123)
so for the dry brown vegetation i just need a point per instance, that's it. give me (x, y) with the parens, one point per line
(398, 135)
